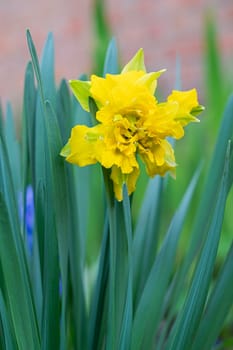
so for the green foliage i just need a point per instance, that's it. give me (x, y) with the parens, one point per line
(141, 295)
(101, 35)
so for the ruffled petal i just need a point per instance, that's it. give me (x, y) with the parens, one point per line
(187, 104)
(159, 159)
(161, 121)
(149, 80)
(85, 144)
(120, 179)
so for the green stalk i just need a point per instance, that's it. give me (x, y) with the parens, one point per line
(120, 302)
(111, 326)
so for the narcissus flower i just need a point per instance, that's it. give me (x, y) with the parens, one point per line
(130, 123)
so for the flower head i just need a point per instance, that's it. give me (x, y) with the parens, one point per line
(130, 123)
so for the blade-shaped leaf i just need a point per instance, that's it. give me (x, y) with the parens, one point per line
(44, 192)
(17, 292)
(217, 308)
(208, 195)
(149, 310)
(148, 224)
(120, 269)
(189, 318)
(99, 299)
(7, 339)
(127, 319)
(111, 65)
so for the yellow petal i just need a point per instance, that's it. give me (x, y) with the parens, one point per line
(186, 102)
(119, 179)
(161, 121)
(81, 90)
(101, 89)
(121, 94)
(163, 159)
(85, 144)
(136, 63)
(150, 80)
(65, 152)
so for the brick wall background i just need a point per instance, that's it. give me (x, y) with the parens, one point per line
(164, 28)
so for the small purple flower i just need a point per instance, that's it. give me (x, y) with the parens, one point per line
(28, 216)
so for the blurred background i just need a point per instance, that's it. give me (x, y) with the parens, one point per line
(82, 28)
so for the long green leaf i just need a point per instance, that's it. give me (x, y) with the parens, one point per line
(7, 339)
(13, 149)
(47, 71)
(111, 65)
(12, 249)
(144, 250)
(149, 310)
(189, 318)
(101, 34)
(50, 315)
(217, 308)
(76, 265)
(127, 319)
(17, 292)
(120, 273)
(28, 134)
(44, 191)
(98, 304)
(208, 195)
(214, 176)
(64, 111)
(35, 62)
(61, 205)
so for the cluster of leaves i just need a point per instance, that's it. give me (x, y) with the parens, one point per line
(217, 87)
(139, 299)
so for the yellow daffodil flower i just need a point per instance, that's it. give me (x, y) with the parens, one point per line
(130, 123)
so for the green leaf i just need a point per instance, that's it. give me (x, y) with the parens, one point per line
(13, 149)
(127, 319)
(209, 191)
(64, 111)
(7, 340)
(43, 179)
(35, 62)
(189, 318)
(147, 225)
(47, 70)
(78, 192)
(76, 258)
(18, 296)
(101, 35)
(97, 318)
(217, 308)
(50, 316)
(111, 65)
(13, 261)
(120, 269)
(146, 319)
(28, 132)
